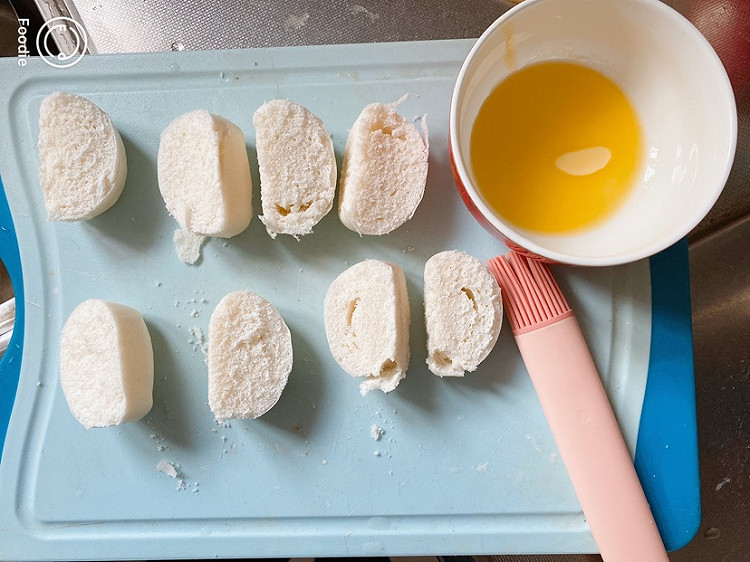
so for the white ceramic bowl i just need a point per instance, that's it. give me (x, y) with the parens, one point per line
(679, 90)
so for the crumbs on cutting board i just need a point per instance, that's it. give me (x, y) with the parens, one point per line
(188, 245)
(174, 470)
(159, 442)
(227, 447)
(198, 341)
(377, 431)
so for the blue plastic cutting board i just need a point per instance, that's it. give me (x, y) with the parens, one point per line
(464, 467)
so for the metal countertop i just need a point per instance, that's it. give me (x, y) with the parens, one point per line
(719, 248)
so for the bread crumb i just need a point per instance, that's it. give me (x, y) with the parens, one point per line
(532, 437)
(376, 453)
(173, 471)
(159, 442)
(376, 432)
(198, 341)
(188, 245)
(194, 313)
(325, 461)
(483, 467)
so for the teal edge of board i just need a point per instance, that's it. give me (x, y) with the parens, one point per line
(668, 416)
(10, 364)
(666, 456)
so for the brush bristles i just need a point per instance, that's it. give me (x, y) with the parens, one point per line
(530, 293)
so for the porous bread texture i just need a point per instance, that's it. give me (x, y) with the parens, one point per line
(204, 174)
(463, 313)
(188, 245)
(106, 364)
(297, 168)
(82, 159)
(366, 315)
(249, 356)
(383, 173)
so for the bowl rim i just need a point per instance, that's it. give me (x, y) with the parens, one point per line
(724, 88)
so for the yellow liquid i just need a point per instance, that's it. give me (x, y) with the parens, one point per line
(555, 147)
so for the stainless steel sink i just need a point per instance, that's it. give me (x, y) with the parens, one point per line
(719, 246)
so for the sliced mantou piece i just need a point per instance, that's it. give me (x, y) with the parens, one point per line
(383, 173)
(204, 174)
(297, 167)
(463, 313)
(82, 159)
(106, 364)
(249, 356)
(366, 314)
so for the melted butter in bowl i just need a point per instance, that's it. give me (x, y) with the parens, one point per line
(556, 147)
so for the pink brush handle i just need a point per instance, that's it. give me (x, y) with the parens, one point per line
(590, 442)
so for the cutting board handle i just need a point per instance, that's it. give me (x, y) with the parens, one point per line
(10, 364)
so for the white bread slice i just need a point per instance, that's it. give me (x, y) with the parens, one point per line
(366, 314)
(297, 167)
(82, 158)
(249, 356)
(106, 364)
(204, 174)
(384, 171)
(463, 313)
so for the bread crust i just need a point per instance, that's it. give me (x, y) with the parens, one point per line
(463, 313)
(384, 171)
(83, 165)
(249, 356)
(106, 364)
(366, 316)
(204, 174)
(297, 167)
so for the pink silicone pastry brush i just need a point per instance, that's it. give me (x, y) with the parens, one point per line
(578, 412)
